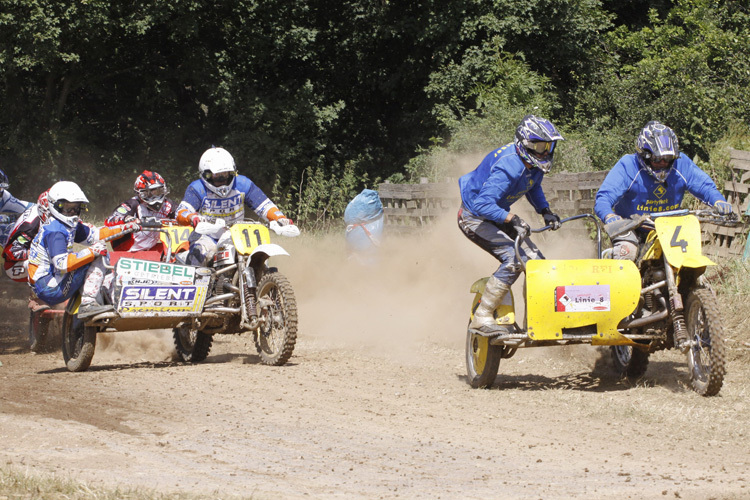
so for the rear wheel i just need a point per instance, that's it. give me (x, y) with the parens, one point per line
(629, 362)
(705, 331)
(277, 334)
(79, 343)
(482, 360)
(191, 345)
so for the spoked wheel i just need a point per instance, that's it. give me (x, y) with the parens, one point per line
(629, 362)
(79, 343)
(191, 345)
(482, 360)
(706, 332)
(277, 334)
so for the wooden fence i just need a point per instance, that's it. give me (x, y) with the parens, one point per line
(416, 206)
(730, 241)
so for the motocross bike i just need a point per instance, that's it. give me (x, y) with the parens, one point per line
(237, 293)
(676, 296)
(247, 296)
(660, 304)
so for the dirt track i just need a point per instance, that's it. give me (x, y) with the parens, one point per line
(373, 404)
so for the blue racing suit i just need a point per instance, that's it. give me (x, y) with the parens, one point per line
(629, 189)
(487, 193)
(11, 204)
(211, 206)
(55, 272)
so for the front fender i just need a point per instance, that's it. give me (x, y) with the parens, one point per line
(261, 253)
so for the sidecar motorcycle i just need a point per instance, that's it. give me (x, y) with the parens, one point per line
(237, 293)
(659, 302)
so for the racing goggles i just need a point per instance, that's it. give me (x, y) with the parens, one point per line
(663, 161)
(156, 193)
(540, 147)
(220, 179)
(71, 208)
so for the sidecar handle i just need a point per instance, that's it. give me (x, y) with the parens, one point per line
(522, 265)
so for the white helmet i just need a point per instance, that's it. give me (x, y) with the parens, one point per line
(217, 170)
(66, 200)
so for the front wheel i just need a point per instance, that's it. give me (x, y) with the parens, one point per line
(192, 346)
(482, 360)
(629, 362)
(705, 357)
(79, 342)
(277, 334)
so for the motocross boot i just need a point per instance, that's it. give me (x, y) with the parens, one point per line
(484, 317)
(90, 290)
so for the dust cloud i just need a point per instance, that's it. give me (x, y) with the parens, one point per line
(152, 346)
(417, 291)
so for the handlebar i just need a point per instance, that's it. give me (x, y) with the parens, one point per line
(703, 215)
(517, 246)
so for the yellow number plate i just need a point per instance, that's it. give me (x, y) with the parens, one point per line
(248, 236)
(177, 234)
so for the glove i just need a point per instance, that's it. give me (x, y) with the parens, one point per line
(195, 219)
(551, 219)
(131, 226)
(289, 230)
(611, 226)
(283, 221)
(212, 229)
(612, 218)
(520, 226)
(723, 207)
(130, 218)
(99, 248)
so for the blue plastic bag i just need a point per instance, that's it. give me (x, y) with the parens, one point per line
(364, 222)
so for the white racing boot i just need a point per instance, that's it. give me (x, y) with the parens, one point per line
(484, 317)
(90, 290)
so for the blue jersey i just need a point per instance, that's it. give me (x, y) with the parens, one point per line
(9, 203)
(231, 207)
(51, 246)
(498, 182)
(629, 189)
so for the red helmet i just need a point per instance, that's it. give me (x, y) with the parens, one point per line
(151, 189)
(43, 206)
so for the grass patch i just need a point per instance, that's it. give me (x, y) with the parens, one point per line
(19, 485)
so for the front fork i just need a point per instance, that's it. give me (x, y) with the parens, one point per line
(248, 295)
(676, 309)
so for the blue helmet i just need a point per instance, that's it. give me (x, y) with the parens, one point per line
(535, 141)
(657, 148)
(3, 181)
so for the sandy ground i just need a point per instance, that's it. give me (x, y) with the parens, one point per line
(374, 403)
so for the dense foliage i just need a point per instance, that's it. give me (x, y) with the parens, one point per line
(317, 100)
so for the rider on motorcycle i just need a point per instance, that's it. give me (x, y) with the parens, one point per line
(150, 201)
(16, 251)
(218, 199)
(654, 179)
(504, 176)
(55, 272)
(8, 202)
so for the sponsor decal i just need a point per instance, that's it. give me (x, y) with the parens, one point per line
(168, 299)
(159, 272)
(582, 298)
